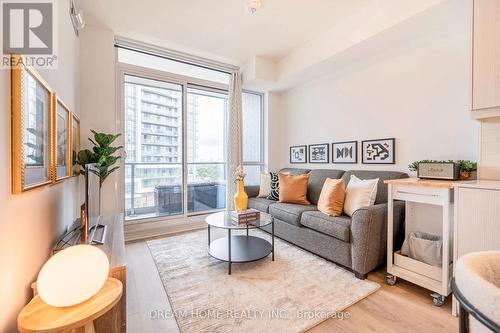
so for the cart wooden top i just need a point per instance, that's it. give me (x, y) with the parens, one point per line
(424, 182)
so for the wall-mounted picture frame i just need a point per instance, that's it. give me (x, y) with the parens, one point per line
(298, 154)
(32, 107)
(319, 153)
(75, 144)
(380, 151)
(61, 138)
(345, 152)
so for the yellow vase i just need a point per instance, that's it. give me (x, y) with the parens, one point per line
(240, 198)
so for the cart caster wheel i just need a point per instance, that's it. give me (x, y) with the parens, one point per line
(390, 279)
(437, 299)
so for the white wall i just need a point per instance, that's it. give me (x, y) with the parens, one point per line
(98, 105)
(32, 221)
(417, 90)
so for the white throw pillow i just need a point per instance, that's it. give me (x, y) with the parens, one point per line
(359, 193)
(265, 185)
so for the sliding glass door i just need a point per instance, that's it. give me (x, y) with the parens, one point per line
(175, 135)
(206, 133)
(153, 115)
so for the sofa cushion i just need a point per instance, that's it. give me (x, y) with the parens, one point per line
(252, 190)
(261, 204)
(289, 213)
(317, 179)
(335, 226)
(359, 193)
(381, 175)
(265, 185)
(294, 171)
(274, 193)
(331, 200)
(293, 189)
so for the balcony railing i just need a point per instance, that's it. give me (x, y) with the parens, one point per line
(155, 121)
(155, 189)
(159, 132)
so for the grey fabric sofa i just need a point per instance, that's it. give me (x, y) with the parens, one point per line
(357, 242)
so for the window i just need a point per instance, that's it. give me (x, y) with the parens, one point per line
(169, 112)
(253, 136)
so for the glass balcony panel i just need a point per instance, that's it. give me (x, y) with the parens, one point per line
(206, 187)
(153, 190)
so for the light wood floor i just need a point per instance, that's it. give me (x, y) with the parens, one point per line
(400, 308)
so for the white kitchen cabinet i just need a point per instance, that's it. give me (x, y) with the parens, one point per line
(477, 218)
(486, 59)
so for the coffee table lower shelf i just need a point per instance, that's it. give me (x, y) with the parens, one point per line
(242, 249)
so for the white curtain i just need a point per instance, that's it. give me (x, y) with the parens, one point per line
(234, 136)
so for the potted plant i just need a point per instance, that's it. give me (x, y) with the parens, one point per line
(101, 153)
(466, 168)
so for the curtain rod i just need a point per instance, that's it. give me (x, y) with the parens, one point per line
(174, 55)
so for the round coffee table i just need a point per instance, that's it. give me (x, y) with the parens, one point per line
(239, 248)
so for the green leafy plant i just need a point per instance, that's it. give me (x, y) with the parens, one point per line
(467, 166)
(464, 165)
(101, 153)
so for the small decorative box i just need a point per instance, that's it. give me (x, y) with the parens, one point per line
(245, 216)
(438, 170)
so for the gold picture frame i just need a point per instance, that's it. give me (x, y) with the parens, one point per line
(32, 107)
(75, 144)
(61, 140)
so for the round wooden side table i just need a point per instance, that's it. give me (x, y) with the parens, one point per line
(37, 316)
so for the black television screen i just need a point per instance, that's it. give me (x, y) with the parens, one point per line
(92, 197)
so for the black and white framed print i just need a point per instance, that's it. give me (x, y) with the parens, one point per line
(381, 151)
(319, 153)
(345, 152)
(298, 154)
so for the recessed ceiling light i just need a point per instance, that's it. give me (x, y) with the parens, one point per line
(252, 6)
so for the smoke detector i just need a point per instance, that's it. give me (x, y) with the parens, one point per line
(252, 6)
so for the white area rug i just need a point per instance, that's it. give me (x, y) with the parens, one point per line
(291, 294)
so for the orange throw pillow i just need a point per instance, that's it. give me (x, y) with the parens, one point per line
(331, 199)
(293, 189)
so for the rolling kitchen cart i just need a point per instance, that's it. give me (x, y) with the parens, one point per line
(429, 208)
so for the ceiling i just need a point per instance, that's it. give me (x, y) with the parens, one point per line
(221, 28)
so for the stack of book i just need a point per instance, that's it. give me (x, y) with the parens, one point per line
(245, 216)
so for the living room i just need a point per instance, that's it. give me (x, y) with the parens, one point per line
(250, 166)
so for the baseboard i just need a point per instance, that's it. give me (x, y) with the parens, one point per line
(150, 229)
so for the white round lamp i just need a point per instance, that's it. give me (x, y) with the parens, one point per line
(72, 275)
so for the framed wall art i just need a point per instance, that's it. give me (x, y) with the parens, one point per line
(345, 152)
(380, 151)
(75, 144)
(61, 136)
(319, 153)
(32, 103)
(298, 154)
